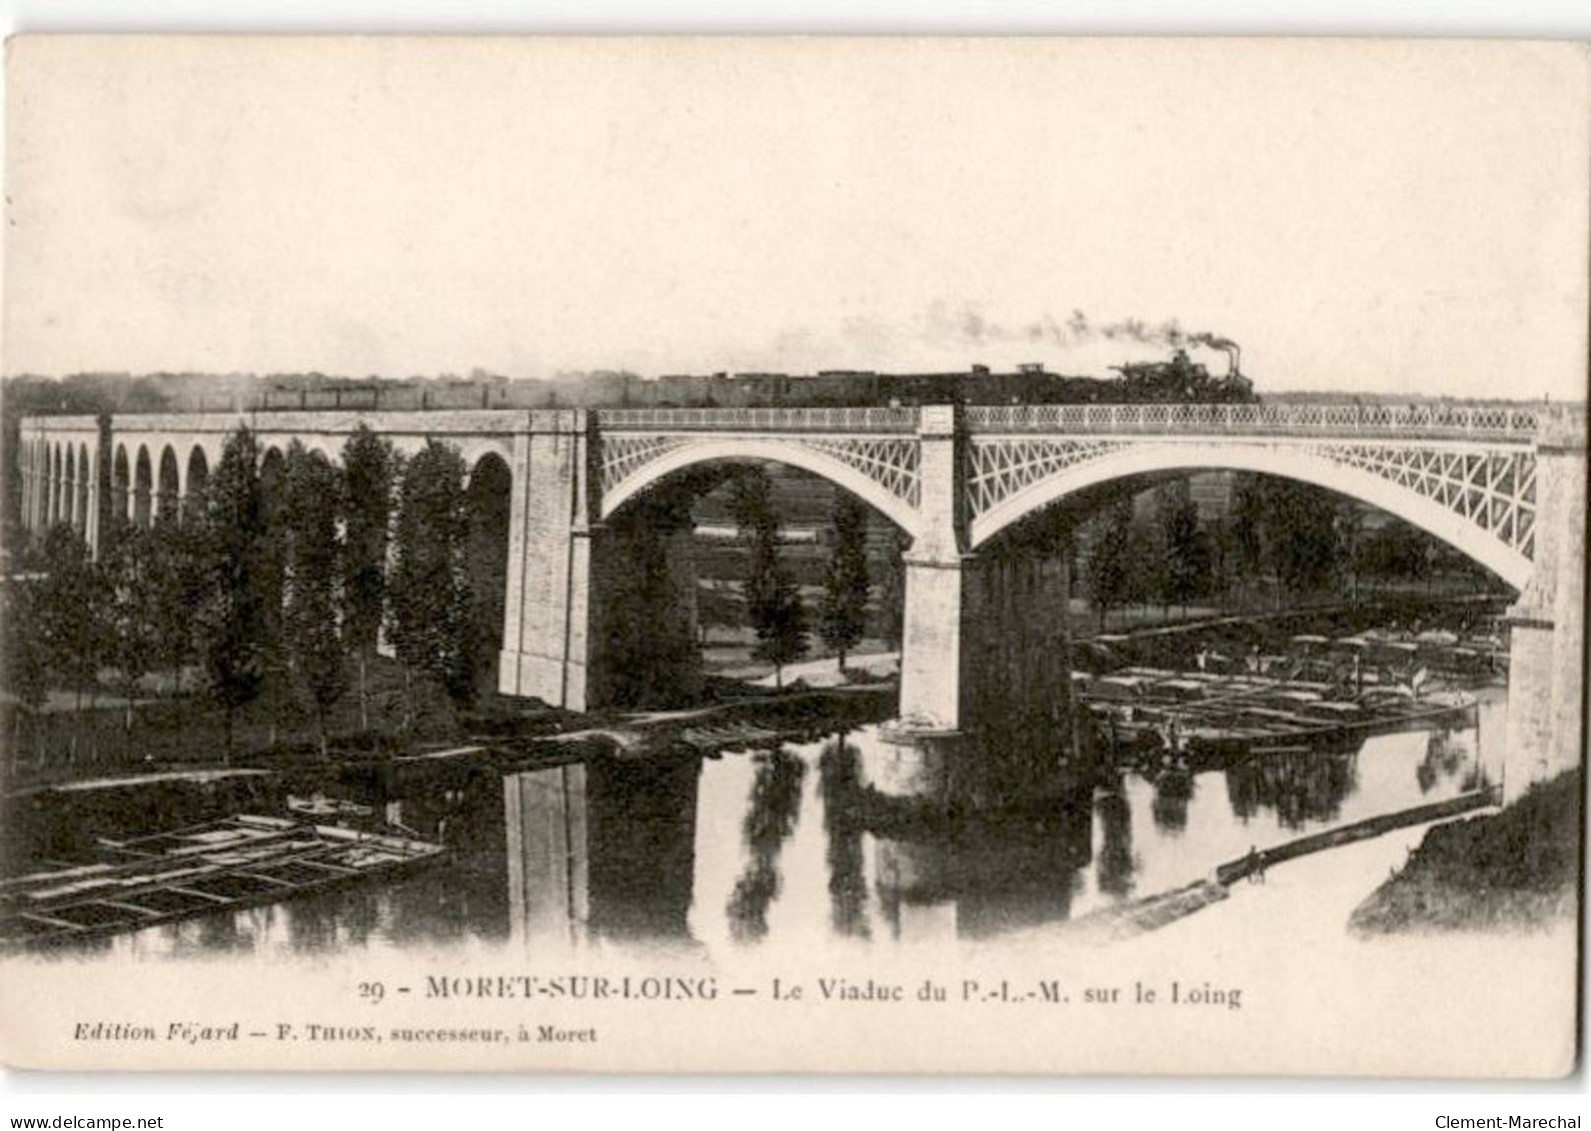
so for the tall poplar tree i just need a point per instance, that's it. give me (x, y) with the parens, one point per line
(312, 585)
(845, 585)
(1187, 571)
(232, 616)
(73, 608)
(773, 602)
(1110, 568)
(431, 621)
(22, 665)
(892, 590)
(367, 482)
(134, 638)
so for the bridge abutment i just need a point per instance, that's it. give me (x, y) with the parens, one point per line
(1546, 678)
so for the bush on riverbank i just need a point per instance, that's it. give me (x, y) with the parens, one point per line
(1514, 870)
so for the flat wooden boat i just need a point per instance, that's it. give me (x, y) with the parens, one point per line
(237, 862)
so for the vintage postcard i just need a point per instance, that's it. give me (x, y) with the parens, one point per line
(793, 555)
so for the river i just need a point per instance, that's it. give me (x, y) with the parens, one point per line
(765, 850)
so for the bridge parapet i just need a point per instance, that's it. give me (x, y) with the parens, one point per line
(311, 422)
(1424, 421)
(772, 420)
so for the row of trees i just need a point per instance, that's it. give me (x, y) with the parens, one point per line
(281, 577)
(773, 599)
(278, 582)
(1293, 537)
(1131, 562)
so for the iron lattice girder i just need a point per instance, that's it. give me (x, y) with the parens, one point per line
(1487, 479)
(1494, 488)
(623, 455)
(999, 468)
(889, 461)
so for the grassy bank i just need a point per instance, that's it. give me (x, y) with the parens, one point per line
(1514, 870)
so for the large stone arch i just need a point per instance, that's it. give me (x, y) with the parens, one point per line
(1288, 462)
(901, 511)
(489, 491)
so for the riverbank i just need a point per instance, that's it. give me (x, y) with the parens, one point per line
(1514, 870)
(1156, 911)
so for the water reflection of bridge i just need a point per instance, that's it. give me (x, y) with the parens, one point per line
(612, 850)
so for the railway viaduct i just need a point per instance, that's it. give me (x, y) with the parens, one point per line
(1506, 486)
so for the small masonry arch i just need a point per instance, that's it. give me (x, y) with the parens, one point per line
(121, 484)
(57, 476)
(195, 480)
(85, 479)
(792, 453)
(273, 479)
(69, 485)
(330, 447)
(169, 488)
(143, 487)
(1267, 459)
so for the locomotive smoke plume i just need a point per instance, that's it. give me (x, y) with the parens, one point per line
(1078, 329)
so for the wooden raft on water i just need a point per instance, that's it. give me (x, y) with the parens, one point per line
(222, 865)
(1226, 714)
(712, 739)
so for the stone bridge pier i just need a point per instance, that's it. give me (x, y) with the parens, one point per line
(984, 636)
(548, 641)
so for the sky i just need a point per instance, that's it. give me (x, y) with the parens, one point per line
(1386, 217)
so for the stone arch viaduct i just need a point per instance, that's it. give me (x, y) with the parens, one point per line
(1506, 486)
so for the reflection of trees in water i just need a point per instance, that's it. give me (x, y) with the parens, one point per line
(1114, 870)
(839, 778)
(1173, 790)
(770, 819)
(1301, 786)
(220, 932)
(1444, 757)
(312, 923)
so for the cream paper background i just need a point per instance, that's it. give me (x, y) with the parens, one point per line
(1375, 215)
